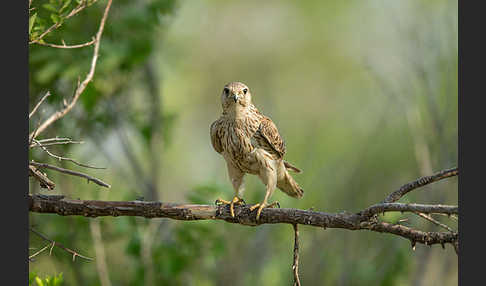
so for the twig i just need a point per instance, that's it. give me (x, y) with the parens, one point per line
(420, 182)
(387, 207)
(38, 252)
(64, 46)
(70, 172)
(64, 158)
(56, 143)
(44, 181)
(31, 136)
(449, 216)
(81, 86)
(295, 266)
(39, 103)
(55, 139)
(434, 221)
(74, 253)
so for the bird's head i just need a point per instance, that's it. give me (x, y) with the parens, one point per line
(235, 95)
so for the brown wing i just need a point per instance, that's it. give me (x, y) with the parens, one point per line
(269, 132)
(215, 140)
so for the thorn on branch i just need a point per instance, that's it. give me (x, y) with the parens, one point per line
(74, 253)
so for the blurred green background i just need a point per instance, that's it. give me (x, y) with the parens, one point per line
(363, 92)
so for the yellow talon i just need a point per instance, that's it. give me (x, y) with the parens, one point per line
(222, 202)
(236, 200)
(261, 206)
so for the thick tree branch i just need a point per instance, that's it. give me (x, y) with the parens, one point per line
(243, 215)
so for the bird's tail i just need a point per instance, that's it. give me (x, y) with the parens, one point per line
(291, 167)
(288, 185)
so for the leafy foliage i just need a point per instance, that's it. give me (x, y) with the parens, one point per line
(35, 280)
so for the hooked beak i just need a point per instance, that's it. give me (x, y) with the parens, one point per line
(235, 97)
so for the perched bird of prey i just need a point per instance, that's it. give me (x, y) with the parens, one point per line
(250, 143)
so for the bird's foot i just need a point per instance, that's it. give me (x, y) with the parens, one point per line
(222, 202)
(263, 205)
(236, 201)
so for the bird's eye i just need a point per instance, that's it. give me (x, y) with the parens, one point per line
(226, 91)
(245, 90)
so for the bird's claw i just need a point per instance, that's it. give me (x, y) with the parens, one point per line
(221, 202)
(236, 201)
(263, 205)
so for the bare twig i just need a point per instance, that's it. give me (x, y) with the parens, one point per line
(81, 86)
(64, 158)
(44, 181)
(394, 207)
(64, 46)
(295, 266)
(56, 143)
(420, 182)
(39, 103)
(454, 217)
(40, 251)
(55, 139)
(31, 136)
(70, 172)
(434, 221)
(74, 253)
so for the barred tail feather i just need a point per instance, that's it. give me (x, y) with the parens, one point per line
(289, 186)
(291, 167)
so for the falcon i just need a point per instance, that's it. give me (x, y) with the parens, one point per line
(250, 144)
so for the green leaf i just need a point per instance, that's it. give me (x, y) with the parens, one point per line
(39, 281)
(32, 21)
(32, 276)
(57, 280)
(55, 18)
(66, 4)
(49, 7)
